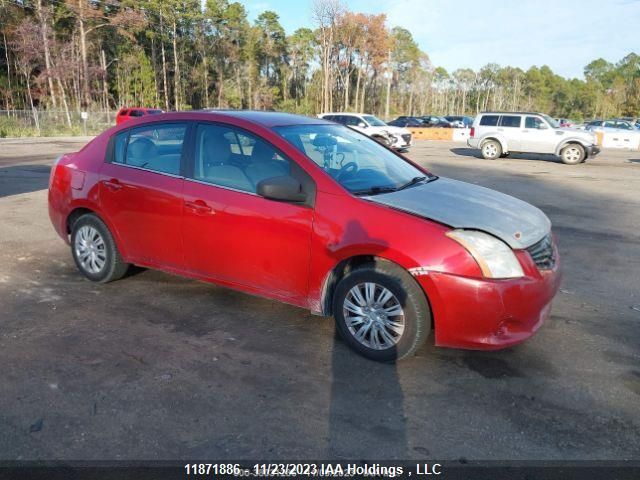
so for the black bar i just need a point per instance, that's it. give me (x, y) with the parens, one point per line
(433, 470)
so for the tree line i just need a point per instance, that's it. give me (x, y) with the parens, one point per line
(76, 55)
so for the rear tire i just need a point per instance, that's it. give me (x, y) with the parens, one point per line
(491, 149)
(381, 312)
(572, 154)
(94, 250)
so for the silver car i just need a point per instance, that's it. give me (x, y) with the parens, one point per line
(497, 134)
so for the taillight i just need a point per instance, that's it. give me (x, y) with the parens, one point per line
(472, 132)
(53, 169)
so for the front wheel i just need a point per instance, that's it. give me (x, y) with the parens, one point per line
(491, 149)
(572, 154)
(381, 312)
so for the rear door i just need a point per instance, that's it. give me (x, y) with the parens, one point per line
(141, 192)
(509, 128)
(233, 235)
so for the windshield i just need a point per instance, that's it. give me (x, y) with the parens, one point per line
(374, 121)
(551, 121)
(358, 163)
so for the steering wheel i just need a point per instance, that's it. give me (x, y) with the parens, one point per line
(350, 167)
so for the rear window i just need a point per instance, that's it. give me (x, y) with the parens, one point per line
(155, 147)
(123, 113)
(510, 121)
(489, 120)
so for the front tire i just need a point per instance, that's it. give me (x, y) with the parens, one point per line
(381, 312)
(491, 149)
(94, 250)
(572, 154)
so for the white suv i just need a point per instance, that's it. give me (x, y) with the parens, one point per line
(497, 134)
(395, 137)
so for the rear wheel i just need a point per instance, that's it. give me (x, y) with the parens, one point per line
(491, 149)
(95, 251)
(572, 154)
(381, 312)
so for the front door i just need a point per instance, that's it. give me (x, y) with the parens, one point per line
(538, 136)
(233, 235)
(141, 193)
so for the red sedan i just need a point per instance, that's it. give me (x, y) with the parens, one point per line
(314, 214)
(125, 114)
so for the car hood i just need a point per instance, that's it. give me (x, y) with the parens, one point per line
(576, 132)
(463, 205)
(396, 130)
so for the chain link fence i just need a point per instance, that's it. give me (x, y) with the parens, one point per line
(27, 123)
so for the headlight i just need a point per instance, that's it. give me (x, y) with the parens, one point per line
(495, 258)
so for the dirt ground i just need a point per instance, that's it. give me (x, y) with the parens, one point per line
(160, 367)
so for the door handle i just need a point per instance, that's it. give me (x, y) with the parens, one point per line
(112, 184)
(198, 206)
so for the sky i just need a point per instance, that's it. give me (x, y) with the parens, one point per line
(566, 35)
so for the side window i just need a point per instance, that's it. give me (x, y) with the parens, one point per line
(532, 122)
(609, 124)
(124, 113)
(489, 120)
(343, 119)
(623, 125)
(512, 121)
(232, 158)
(156, 147)
(352, 121)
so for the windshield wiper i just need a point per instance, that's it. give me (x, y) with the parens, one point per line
(416, 180)
(411, 182)
(374, 190)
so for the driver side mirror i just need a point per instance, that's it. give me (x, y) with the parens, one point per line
(284, 189)
(362, 125)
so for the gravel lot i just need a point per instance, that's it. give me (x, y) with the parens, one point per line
(160, 367)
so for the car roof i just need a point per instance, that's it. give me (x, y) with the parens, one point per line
(261, 118)
(270, 119)
(511, 113)
(352, 114)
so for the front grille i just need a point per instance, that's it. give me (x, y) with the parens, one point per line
(407, 138)
(542, 253)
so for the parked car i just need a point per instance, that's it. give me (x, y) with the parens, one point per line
(498, 134)
(125, 114)
(311, 213)
(434, 121)
(614, 124)
(459, 121)
(564, 122)
(407, 122)
(395, 137)
(633, 120)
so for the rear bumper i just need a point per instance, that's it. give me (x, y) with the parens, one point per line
(472, 142)
(486, 314)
